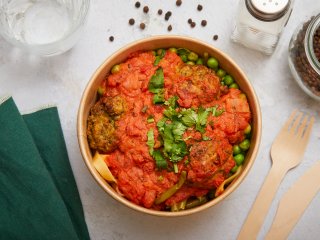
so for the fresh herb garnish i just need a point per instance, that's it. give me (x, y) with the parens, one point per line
(183, 51)
(202, 119)
(160, 160)
(174, 147)
(173, 126)
(156, 85)
(156, 82)
(159, 57)
(150, 119)
(150, 141)
(158, 98)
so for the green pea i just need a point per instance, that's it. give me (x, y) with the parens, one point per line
(234, 169)
(184, 58)
(199, 61)
(213, 63)
(228, 80)
(239, 158)
(172, 49)
(236, 149)
(190, 63)
(234, 85)
(221, 73)
(192, 56)
(245, 144)
(115, 68)
(247, 130)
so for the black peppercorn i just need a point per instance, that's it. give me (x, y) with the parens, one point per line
(203, 23)
(142, 26)
(193, 24)
(131, 21)
(137, 4)
(111, 38)
(169, 28)
(145, 9)
(160, 11)
(199, 7)
(215, 37)
(178, 2)
(167, 15)
(189, 20)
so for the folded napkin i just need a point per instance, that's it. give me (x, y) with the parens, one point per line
(38, 194)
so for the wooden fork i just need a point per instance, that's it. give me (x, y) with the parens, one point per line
(286, 152)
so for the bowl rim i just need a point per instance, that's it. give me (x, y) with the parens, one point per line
(82, 138)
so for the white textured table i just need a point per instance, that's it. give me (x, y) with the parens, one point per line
(60, 80)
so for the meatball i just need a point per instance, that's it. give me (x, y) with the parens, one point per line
(199, 87)
(210, 163)
(114, 106)
(101, 130)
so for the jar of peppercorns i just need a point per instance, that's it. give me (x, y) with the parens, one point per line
(304, 56)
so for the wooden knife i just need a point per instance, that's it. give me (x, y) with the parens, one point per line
(294, 202)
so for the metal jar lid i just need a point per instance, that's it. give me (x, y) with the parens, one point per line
(268, 10)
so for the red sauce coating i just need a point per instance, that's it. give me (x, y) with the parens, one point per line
(209, 161)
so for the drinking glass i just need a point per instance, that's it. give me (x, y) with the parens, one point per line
(43, 27)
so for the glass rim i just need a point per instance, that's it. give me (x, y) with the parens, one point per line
(82, 19)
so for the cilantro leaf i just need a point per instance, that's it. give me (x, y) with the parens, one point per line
(202, 119)
(202, 116)
(158, 98)
(219, 112)
(156, 82)
(174, 147)
(159, 57)
(172, 102)
(161, 124)
(183, 51)
(160, 161)
(150, 141)
(189, 117)
(178, 130)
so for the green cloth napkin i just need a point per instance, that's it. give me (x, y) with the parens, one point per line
(38, 194)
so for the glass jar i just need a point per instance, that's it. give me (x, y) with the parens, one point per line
(304, 56)
(259, 23)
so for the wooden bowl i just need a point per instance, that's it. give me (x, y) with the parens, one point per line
(89, 98)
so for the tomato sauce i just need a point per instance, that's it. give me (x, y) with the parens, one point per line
(209, 162)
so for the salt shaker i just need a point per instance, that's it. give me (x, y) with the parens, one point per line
(259, 23)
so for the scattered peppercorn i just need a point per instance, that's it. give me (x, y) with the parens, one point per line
(215, 37)
(167, 16)
(131, 21)
(160, 11)
(145, 9)
(142, 26)
(203, 23)
(137, 4)
(189, 20)
(193, 24)
(169, 28)
(178, 2)
(111, 38)
(199, 7)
